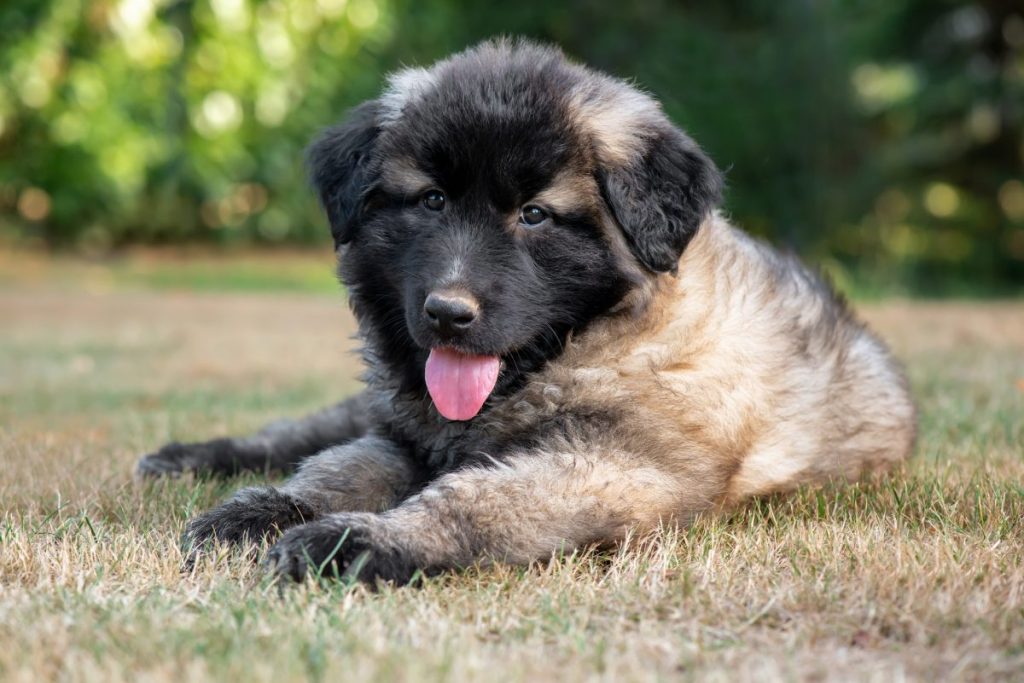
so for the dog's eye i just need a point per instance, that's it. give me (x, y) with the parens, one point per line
(433, 200)
(532, 216)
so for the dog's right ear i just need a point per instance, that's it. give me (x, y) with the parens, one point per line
(339, 166)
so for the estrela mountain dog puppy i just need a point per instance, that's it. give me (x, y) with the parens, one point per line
(564, 340)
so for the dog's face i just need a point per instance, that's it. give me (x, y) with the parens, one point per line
(486, 208)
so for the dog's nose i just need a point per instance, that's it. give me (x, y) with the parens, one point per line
(451, 312)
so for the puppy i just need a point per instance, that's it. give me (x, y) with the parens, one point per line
(564, 339)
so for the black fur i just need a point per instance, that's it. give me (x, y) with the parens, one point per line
(340, 547)
(250, 516)
(278, 448)
(217, 457)
(661, 199)
(339, 162)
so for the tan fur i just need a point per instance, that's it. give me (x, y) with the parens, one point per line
(404, 177)
(570, 191)
(617, 116)
(523, 509)
(715, 392)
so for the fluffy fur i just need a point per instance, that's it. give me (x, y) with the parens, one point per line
(656, 362)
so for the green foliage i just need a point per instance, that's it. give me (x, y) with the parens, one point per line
(149, 120)
(883, 139)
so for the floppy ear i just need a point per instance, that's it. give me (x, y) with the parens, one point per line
(661, 197)
(339, 166)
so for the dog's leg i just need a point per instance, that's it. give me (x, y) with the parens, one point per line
(278, 447)
(527, 508)
(369, 474)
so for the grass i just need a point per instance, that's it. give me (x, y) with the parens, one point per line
(182, 268)
(919, 576)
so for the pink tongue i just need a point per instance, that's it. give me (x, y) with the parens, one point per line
(460, 383)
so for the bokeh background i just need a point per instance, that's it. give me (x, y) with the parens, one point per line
(882, 139)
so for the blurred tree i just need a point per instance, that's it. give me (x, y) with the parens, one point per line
(941, 86)
(169, 120)
(883, 138)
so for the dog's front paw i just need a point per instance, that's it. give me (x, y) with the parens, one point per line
(339, 546)
(249, 517)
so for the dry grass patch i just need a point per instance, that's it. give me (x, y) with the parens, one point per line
(918, 576)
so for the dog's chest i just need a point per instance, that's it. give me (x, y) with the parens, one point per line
(526, 420)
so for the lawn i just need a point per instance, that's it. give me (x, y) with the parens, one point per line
(920, 576)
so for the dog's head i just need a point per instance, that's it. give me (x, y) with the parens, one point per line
(488, 206)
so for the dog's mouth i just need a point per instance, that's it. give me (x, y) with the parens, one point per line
(459, 383)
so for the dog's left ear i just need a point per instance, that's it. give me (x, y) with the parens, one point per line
(661, 197)
(339, 168)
